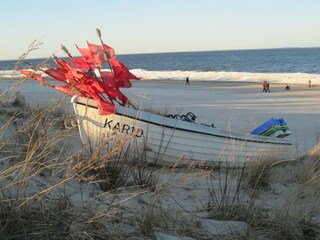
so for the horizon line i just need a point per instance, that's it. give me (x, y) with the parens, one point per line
(192, 51)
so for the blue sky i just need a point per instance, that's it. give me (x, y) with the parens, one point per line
(149, 26)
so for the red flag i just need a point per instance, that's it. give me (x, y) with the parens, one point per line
(87, 55)
(109, 50)
(104, 107)
(72, 75)
(123, 98)
(62, 63)
(81, 63)
(33, 75)
(79, 80)
(102, 87)
(123, 83)
(122, 74)
(107, 76)
(66, 89)
(76, 76)
(98, 54)
(109, 82)
(59, 74)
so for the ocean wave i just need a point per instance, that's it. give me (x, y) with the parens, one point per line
(287, 78)
(14, 74)
(10, 74)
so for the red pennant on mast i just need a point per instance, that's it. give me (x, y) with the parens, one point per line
(98, 54)
(59, 74)
(78, 62)
(81, 63)
(109, 50)
(33, 75)
(87, 55)
(122, 74)
(76, 75)
(66, 89)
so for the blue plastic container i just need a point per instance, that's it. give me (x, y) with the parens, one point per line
(267, 125)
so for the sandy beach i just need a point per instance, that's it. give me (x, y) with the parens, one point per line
(239, 106)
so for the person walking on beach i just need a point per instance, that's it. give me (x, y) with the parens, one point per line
(264, 85)
(309, 83)
(187, 81)
(268, 87)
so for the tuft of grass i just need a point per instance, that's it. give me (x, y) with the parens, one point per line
(110, 169)
(153, 216)
(258, 173)
(35, 220)
(145, 174)
(225, 195)
(284, 227)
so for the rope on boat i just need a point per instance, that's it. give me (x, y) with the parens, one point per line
(189, 117)
(73, 122)
(74, 119)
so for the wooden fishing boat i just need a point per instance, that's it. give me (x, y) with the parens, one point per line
(173, 141)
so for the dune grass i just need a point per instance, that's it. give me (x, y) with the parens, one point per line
(290, 192)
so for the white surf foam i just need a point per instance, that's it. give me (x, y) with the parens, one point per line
(289, 78)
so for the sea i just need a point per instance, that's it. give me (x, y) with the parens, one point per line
(281, 65)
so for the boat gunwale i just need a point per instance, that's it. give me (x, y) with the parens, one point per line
(267, 141)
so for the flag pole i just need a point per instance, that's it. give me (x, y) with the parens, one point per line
(106, 53)
(107, 56)
(65, 50)
(97, 67)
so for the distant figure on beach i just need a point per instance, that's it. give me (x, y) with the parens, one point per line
(287, 88)
(187, 81)
(309, 83)
(268, 87)
(264, 85)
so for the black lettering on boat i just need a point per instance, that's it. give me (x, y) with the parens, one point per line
(123, 128)
(117, 126)
(107, 123)
(126, 128)
(136, 132)
(139, 132)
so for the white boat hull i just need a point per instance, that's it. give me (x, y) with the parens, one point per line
(170, 140)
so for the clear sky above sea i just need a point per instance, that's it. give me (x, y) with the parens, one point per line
(151, 26)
